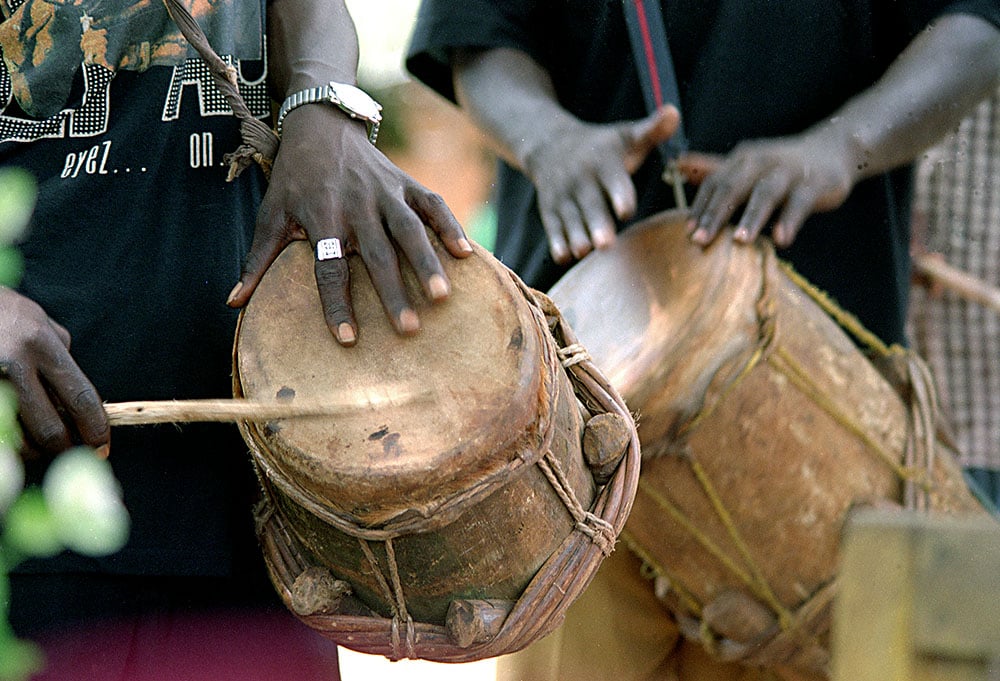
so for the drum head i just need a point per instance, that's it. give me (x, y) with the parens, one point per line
(658, 317)
(429, 415)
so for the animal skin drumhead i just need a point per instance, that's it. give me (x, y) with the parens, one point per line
(427, 415)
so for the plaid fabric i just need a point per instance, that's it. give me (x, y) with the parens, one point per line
(957, 214)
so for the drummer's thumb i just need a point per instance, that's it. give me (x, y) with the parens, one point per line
(696, 166)
(266, 247)
(650, 132)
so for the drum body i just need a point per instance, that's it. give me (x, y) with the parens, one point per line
(762, 424)
(433, 486)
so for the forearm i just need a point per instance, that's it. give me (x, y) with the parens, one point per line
(511, 99)
(926, 92)
(310, 42)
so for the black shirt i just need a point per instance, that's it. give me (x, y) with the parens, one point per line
(746, 69)
(134, 245)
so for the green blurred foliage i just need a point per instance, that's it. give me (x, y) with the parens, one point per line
(17, 202)
(79, 505)
(29, 528)
(84, 501)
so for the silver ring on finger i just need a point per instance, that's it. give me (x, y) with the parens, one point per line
(329, 249)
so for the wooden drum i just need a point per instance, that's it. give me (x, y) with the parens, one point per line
(762, 424)
(448, 512)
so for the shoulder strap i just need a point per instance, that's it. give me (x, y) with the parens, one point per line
(651, 53)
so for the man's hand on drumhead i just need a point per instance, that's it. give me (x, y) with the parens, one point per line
(328, 182)
(784, 180)
(58, 405)
(583, 175)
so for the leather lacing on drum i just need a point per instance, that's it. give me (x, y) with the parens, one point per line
(600, 531)
(921, 441)
(394, 596)
(796, 636)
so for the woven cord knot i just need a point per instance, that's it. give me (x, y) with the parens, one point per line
(921, 440)
(600, 531)
(260, 143)
(573, 354)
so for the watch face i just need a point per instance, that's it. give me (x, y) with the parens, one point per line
(355, 100)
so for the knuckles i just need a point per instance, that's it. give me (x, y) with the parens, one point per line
(51, 435)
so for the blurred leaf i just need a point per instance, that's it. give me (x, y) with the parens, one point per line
(19, 659)
(11, 266)
(85, 500)
(10, 431)
(11, 477)
(17, 201)
(8, 397)
(29, 528)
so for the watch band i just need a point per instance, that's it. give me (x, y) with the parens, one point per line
(328, 94)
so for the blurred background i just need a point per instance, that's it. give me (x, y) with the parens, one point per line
(421, 132)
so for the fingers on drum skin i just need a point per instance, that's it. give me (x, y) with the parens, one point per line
(558, 247)
(383, 268)
(620, 192)
(704, 223)
(409, 233)
(333, 278)
(434, 212)
(575, 230)
(769, 193)
(272, 233)
(799, 206)
(256, 263)
(723, 194)
(597, 221)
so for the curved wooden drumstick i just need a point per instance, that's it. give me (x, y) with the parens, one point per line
(238, 409)
(932, 268)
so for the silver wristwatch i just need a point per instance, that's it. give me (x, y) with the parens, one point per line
(354, 101)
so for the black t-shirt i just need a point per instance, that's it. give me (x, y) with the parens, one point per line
(135, 243)
(745, 69)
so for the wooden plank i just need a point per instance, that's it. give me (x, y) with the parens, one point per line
(957, 587)
(919, 599)
(872, 611)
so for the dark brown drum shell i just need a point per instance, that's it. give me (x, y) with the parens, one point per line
(491, 549)
(762, 424)
(459, 476)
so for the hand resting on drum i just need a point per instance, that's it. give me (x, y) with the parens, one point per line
(925, 93)
(800, 175)
(336, 184)
(59, 406)
(582, 173)
(581, 170)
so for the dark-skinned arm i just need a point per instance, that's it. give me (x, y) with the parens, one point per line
(329, 181)
(928, 90)
(581, 171)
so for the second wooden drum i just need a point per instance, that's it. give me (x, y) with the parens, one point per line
(762, 424)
